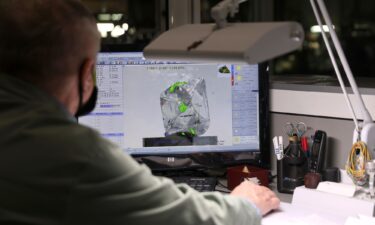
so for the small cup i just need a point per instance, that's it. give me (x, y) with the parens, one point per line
(312, 180)
(332, 174)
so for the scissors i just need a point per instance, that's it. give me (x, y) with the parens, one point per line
(298, 129)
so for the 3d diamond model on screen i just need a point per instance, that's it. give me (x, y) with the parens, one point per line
(184, 107)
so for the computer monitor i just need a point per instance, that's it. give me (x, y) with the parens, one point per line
(181, 115)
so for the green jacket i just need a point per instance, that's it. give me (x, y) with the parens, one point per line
(54, 171)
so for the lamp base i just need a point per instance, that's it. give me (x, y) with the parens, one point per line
(367, 136)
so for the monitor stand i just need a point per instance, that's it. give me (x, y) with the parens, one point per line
(177, 140)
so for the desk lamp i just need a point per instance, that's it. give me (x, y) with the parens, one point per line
(226, 42)
(253, 43)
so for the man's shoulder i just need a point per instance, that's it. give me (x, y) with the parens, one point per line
(71, 142)
(70, 135)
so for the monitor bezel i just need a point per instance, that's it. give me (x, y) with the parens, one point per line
(214, 160)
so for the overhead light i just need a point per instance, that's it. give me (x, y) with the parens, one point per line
(104, 28)
(110, 17)
(117, 16)
(117, 31)
(317, 29)
(125, 26)
(104, 17)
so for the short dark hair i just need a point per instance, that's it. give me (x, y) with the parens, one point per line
(43, 38)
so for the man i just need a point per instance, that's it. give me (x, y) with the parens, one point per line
(54, 171)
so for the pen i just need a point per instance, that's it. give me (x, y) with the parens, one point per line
(278, 146)
(305, 146)
(281, 147)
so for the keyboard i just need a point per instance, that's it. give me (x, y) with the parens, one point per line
(201, 184)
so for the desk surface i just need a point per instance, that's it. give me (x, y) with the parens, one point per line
(316, 207)
(289, 214)
(273, 186)
(282, 196)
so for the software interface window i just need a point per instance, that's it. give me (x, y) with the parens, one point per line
(143, 103)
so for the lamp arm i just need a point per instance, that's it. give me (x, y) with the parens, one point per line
(334, 63)
(220, 11)
(366, 115)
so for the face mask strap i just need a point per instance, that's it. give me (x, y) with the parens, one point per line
(80, 102)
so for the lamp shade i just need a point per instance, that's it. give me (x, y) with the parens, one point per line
(237, 42)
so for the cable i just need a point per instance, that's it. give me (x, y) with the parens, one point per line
(355, 166)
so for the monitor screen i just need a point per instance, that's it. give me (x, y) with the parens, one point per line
(170, 108)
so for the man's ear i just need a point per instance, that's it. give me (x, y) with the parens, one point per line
(87, 79)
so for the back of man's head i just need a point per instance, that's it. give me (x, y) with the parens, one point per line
(45, 39)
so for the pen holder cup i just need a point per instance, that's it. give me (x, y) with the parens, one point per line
(291, 169)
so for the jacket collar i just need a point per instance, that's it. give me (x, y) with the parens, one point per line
(18, 90)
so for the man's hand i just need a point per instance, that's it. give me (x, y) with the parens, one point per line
(262, 197)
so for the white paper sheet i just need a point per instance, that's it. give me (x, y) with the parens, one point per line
(288, 214)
